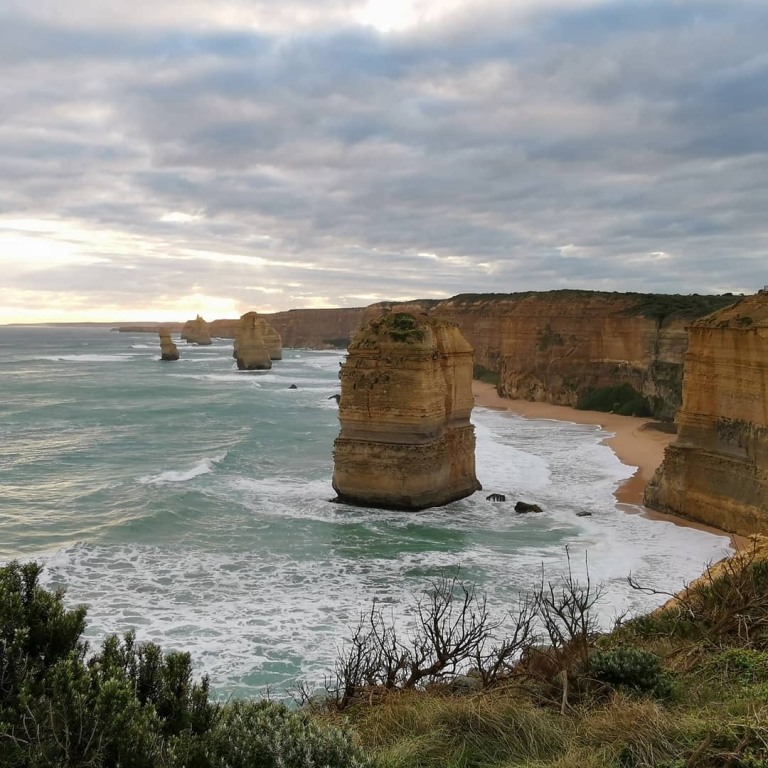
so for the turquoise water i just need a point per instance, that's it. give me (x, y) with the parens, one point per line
(191, 501)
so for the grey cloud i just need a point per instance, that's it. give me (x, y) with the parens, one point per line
(621, 133)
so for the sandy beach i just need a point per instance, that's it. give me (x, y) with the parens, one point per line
(634, 441)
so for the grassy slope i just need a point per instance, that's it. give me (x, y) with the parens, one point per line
(712, 709)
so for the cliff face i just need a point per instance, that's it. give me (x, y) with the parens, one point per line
(316, 328)
(557, 346)
(168, 350)
(223, 329)
(717, 469)
(250, 350)
(406, 398)
(196, 332)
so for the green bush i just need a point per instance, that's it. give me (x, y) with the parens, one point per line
(624, 400)
(481, 373)
(268, 735)
(747, 665)
(630, 668)
(129, 705)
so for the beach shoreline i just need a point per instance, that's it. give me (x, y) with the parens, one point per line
(633, 442)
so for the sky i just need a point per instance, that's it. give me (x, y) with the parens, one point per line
(160, 158)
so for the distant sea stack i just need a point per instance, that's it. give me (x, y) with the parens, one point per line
(250, 349)
(168, 350)
(196, 332)
(716, 471)
(406, 441)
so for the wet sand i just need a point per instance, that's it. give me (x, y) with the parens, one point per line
(634, 441)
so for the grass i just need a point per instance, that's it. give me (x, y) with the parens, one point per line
(710, 644)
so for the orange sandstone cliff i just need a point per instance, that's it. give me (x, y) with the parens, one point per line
(317, 328)
(717, 469)
(406, 441)
(556, 346)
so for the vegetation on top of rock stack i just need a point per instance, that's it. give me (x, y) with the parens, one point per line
(403, 327)
(623, 400)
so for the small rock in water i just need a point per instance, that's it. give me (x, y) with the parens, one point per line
(522, 507)
(584, 513)
(336, 398)
(496, 497)
(293, 386)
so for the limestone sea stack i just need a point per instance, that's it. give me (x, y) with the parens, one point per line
(716, 471)
(269, 335)
(250, 350)
(196, 332)
(168, 350)
(406, 441)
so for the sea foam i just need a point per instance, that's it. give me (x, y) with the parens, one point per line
(202, 467)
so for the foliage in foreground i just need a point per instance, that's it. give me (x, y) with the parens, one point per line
(130, 705)
(684, 687)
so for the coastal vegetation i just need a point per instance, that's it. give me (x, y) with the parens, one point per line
(487, 376)
(624, 400)
(684, 686)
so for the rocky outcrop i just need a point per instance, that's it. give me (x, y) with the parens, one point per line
(272, 341)
(196, 332)
(251, 350)
(252, 321)
(716, 471)
(406, 441)
(168, 350)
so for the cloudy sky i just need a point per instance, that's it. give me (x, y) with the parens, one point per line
(161, 157)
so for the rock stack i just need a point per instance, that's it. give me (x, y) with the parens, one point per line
(270, 337)
(406, 441)
(168, 350)
(250, 349)
(196, 332)
(716, 471)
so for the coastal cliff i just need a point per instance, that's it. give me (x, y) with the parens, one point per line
(196, 332)
(716, 471)
(560, 346)
(317, 328)
(168, 350)
(406, 441)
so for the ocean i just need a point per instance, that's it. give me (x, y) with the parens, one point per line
(191, 502)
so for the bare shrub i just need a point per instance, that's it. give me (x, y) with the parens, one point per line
(728, 605)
